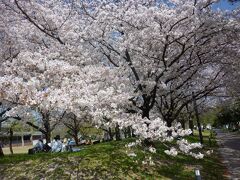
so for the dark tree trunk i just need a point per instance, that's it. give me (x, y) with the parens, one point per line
(110, 134)
(191, 124)
(132, 132)
(125, 133)
(47, 127)
(199, 128)
(1, 150)
(182, 121)
(10, 140)
(236, 126)
(168, 119)
(48, 137)
(117, 133)
(129, 132)
(75, 137)
(190, 119)
(198, 119)
(145, 113)
(169, 123)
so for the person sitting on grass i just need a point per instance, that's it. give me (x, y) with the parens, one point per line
(46, 147)
(39, 146)
(56, 144)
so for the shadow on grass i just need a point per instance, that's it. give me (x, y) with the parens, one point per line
(109, 160)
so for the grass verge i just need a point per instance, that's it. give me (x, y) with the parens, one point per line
(110, 161)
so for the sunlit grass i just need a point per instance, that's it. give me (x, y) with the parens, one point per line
(17, 150)
(109, 160)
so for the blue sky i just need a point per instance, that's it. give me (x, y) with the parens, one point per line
(225, 5)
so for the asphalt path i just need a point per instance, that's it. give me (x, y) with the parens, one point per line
(230, 152)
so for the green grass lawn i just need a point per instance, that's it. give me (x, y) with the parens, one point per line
(110, 161)
(17, 150)
(205, 133)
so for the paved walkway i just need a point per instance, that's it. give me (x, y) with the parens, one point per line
(230, 152)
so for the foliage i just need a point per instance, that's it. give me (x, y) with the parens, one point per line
(209, 116)
(87, 131)
(229, 115)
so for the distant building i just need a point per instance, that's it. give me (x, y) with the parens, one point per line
(21, 138)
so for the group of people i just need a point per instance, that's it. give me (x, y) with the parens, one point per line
(55, 146)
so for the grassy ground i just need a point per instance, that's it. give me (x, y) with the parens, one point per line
(205, 133)
(110, 161)
(17, 150)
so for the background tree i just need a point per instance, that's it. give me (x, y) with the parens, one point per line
(74, 123)
(228, 115)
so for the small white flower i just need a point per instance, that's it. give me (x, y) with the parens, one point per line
(132, 155)
(152, 149)
(172, 152)
(131, 144)
(151, 163)
(209, 152)
(144, 162)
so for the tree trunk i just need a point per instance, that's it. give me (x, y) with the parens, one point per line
(199, 128)
(47, 128)
(117, 133)
(22, 138)
(236, 126)
(1, 150)
(132, 133)
(75, 137)
(47, 137)
(169, 122)
(182, 121)
(125, 133)
(198, 120)
(129, 131)
(110, 134)
(191, 124)
(10, 140)
(145, 113)
(190, 119)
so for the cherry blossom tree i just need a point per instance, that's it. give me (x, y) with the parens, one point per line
(116, 57)
(169, 51)
(31, 91)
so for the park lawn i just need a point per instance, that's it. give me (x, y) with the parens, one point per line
(109, 160)
(17, 150)
(205, 133)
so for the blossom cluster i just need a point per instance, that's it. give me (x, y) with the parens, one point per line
(114, 59)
